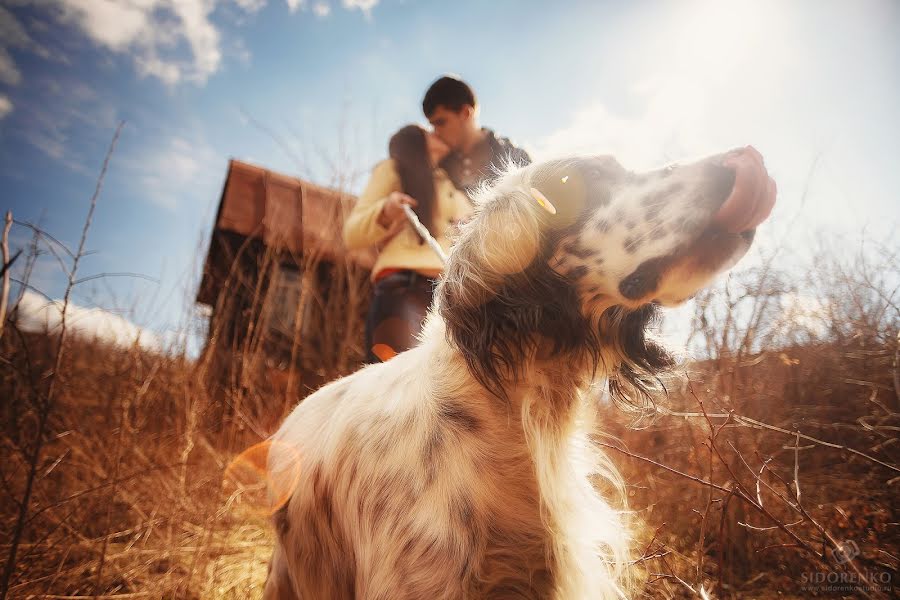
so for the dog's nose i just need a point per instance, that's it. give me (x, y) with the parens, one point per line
(747, 191)
(720, 180)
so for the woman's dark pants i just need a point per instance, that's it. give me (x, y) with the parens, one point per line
(397, 311)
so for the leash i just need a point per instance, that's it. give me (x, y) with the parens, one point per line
(413, 219)
(383, 351)
(423, 231)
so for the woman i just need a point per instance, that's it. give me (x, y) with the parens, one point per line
(405, 271)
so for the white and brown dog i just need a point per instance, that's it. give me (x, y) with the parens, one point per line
(462, 467)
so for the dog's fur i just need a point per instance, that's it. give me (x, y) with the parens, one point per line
(462, 468)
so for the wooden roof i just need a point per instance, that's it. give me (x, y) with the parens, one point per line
(283, 212)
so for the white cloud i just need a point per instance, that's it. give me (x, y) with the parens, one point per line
(595, 129)
(178, 165)
(201, 34)
(240, 51)
(9, 73)
(6, 106)
(70, 117)
(151, 31)
(152, 66)
(11, 30)
(51, 142)
(38, 315)
(295, 5)
(12, 35)
(250, 6)
(321, 9)
(364, 5)
(115, 25)
(183, 160)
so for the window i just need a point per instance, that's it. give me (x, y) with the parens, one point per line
(284, 299)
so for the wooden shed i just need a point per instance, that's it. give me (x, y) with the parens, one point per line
(286, 298)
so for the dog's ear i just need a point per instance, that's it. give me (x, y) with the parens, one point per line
(641, 359)
(499, 297)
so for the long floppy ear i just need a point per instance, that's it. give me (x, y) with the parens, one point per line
(499, 297)
(641, 360)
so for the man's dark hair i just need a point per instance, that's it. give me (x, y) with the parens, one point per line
(450, 92)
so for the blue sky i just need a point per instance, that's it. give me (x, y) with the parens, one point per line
(815, 85)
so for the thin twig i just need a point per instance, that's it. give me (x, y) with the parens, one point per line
(663, 467)
(753, 423)
(7, 263)
(797, 467)
(722, 520)
(43, 234)
(105, 275)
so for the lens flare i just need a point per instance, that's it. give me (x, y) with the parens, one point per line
(250, 469)
(383, 352)
(543, 201)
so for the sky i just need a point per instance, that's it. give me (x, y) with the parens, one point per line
(314, 88)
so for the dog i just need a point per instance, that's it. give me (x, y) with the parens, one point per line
(462, 468)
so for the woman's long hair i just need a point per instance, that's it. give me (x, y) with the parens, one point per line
(409, 150)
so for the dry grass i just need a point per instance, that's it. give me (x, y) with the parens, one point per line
(130, 497)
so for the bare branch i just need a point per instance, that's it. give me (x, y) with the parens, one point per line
(105, 275)
(7, 263)
(43, 234)
(753, 423)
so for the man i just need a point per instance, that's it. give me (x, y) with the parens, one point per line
(452, 109)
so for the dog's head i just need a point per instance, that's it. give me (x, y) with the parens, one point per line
(571, 258)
